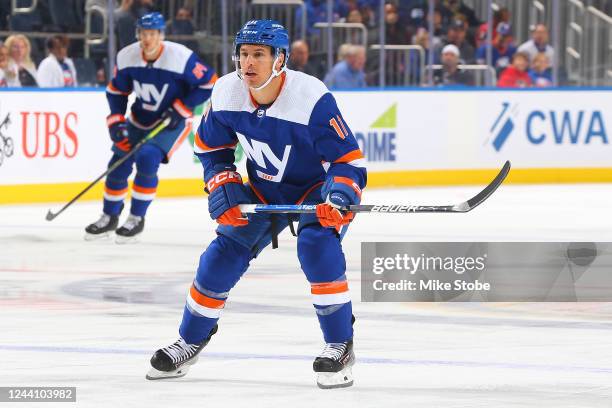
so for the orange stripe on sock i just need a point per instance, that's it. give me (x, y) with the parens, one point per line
(328, 288)
(204, 300)
(144, 190)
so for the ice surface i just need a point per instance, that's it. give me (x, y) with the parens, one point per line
(76, 313)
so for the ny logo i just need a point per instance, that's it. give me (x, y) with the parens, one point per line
(259, 151)
(150, 96)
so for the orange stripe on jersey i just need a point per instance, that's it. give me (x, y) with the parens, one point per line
(308, 192)
(179, 141)
(110, 191)
(112, 89)
(200, 143)
(213, 79)
(350, 156)
(258, 194)
(204, 300)
(328, 288)
(144, 190)
(334, 124)
(349, 182)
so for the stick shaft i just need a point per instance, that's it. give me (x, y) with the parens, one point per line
(388, 208)
(151, 135)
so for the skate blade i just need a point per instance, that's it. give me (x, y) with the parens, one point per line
(154, 374)
(121, 240)
(341, 379)
(97, 237)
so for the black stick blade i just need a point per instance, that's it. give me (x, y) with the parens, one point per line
(50, 216)
(488, 190)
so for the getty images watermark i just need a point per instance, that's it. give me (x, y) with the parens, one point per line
(498, 271)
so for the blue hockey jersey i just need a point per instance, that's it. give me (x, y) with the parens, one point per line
(291, 145)
(176, 78)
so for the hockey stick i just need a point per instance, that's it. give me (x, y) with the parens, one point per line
(51, 215)
(390, 208)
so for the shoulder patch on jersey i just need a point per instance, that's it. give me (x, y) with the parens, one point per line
(130, 56)
(230, 94)
(298, 98)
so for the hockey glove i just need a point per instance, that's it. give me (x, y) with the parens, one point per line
(226, 192)
(338, 192)
(177, 113)
(118, 130)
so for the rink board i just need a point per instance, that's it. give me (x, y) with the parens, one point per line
(55, 143)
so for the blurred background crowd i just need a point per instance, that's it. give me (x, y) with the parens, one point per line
(361, 43)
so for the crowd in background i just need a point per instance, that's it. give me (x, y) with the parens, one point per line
(459, 38)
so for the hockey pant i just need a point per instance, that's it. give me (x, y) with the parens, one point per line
(147, 161)
(228, 256)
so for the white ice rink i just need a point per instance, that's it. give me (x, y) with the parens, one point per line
(76, 313)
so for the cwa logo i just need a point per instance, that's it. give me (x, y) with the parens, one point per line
(378, 143)
(7, 147)
(559, 127)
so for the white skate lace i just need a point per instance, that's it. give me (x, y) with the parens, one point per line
(131, 222)
(180, 351)
(333, 351)
(103, 221)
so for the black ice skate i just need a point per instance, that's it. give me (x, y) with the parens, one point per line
(129, 231)
(174, 361)
(101, 228)
(333, 365)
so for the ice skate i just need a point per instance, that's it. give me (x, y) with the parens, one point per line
(101, 228)
(333, 365)
(130, 230)
(174, 361)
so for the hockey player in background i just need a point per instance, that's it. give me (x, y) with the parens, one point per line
(168, 80)
(299, 150)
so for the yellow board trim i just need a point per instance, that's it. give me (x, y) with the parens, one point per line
(62, 192)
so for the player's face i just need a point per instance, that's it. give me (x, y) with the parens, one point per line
(255, 64)
(150, 40)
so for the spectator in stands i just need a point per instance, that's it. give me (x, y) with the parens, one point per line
(21, 70)
(503, 48)
(395, 32)
(538, 43)
(183, 25)
(57, 70)
(126, 16)
(457, 7)
(516, 76)
(456, 35)
(541, 72)
(348, 73)
(4, 60)
(299, 59)
(450, 74)
(500, 16)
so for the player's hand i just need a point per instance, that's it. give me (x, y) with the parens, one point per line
(119, 135)
(226, 192)
(330, 213)
(177, 113)
(338, 193)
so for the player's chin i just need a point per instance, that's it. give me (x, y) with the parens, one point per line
(251, 79)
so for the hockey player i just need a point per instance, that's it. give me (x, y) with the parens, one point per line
(299, 150)
(169, 80)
